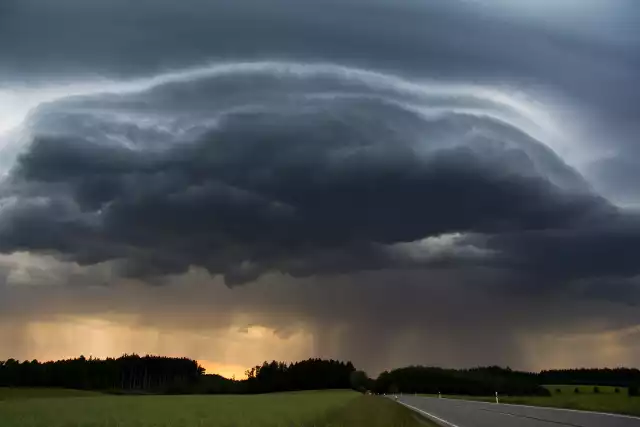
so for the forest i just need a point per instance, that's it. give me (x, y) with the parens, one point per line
(624, 377)
(477, 381)
(128, 372)
(155, 374)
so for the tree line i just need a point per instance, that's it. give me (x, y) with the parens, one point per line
(127, 373)
(155, 374)
(475, 382)
(310, 374)
(485, 381)
(618, 377)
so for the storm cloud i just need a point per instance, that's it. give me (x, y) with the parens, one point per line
(292, 165)
(326, 145)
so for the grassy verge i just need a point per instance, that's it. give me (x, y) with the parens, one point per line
(374, 411)
(604, 401)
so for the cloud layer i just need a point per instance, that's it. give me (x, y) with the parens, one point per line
(305, 169)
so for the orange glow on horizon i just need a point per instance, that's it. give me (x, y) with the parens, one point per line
(236, 349)
(226, 370)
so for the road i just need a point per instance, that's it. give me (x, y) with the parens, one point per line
(462, 413)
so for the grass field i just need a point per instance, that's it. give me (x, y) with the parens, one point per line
(604, 401)
(39, 393)
(319, 409)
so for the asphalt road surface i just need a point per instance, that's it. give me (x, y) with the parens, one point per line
(462, 413)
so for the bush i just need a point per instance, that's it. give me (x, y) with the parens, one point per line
(596, 390)
(542, 391)
(576, 390)
(633, 390)
(359, 381)
(559, 391)
(617, 390)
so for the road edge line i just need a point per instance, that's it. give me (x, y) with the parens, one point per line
(438, 419)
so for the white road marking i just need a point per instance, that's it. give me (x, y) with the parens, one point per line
(450, 424)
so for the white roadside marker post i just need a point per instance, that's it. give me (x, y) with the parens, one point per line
(497, 400)
(439, 395)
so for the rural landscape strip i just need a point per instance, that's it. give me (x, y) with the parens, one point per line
(314, 392)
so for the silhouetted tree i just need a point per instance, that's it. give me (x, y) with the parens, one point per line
(311, 374)
(360, 381)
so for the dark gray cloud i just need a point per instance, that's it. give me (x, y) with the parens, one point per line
(478, 155)
(604, 249)
(299, 169)
(619, 175)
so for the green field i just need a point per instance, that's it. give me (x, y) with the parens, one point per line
(604, 401)
(319, 409)
(38, 393)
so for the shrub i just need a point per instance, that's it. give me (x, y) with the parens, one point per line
(617, 390)
(576, 390)
(542, 391)
(359, 381)
(559, 391)
(633, 390)
(596, 390)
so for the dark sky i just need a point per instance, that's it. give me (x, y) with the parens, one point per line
(449, 182)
